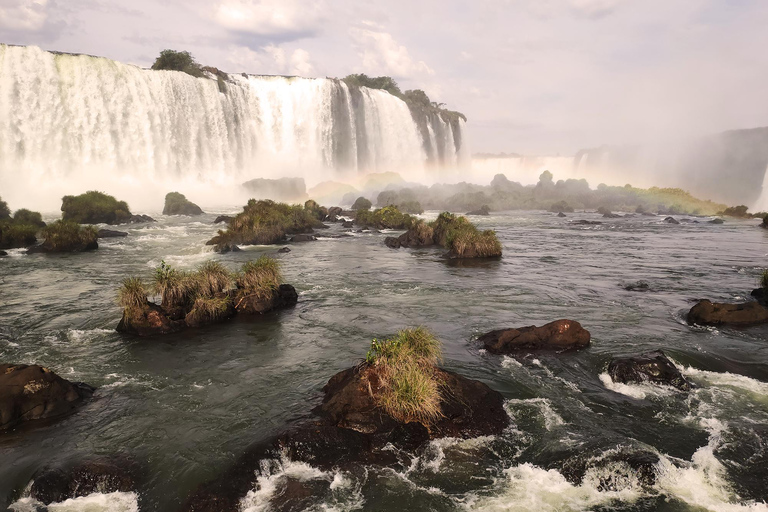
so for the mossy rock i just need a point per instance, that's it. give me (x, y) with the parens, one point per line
(95, 208)
(67, 236)
(178, 204)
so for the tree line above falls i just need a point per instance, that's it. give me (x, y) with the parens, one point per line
(416, 99)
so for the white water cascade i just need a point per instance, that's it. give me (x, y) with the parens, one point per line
(70, 123)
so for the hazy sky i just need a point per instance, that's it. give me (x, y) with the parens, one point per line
(532, 76)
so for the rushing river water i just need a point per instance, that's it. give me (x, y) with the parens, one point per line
(185, 406)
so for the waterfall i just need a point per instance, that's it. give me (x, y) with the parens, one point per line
(70, 123)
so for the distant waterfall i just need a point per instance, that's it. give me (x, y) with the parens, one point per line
(66, 118)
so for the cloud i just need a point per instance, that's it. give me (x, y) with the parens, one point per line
(23, 15)
(284, 19)
(271, 60)
(382, 54)
(595, 8)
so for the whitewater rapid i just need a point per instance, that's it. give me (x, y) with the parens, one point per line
(69, 123)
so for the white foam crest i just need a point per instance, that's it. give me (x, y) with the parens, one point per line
(81, 335)
(551, 375)
(434, 454)
(725, 379)
(528, 487)
(635, 390)
(544, 405)
(97, 502)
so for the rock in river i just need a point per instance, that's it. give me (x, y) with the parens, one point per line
(713, 313)
(557, 335)
(34, 392)
(653, 367)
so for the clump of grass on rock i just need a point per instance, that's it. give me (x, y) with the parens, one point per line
(403, 372)
(265, 222)
(67, 236)
(209, 294)
(455, 233)
(389, 217)
(95, 207)
(21, 229)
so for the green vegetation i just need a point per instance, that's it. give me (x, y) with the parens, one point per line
(132, 295)
(764, 279)
(463, 239)
(389, 217)
(178, 204)
(317, 211)
(178, 61)
(260, 278)
(361, 203)
(404, 368)
(69, 236)
(28, 217)
(736, 211)
(5, 212)
(21, 229)
(265, 222)
(412, 207)
(95, 208)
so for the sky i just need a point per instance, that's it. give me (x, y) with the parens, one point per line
(537, 77)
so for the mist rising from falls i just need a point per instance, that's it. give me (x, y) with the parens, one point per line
(70, 123)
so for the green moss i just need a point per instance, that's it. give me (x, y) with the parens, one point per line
(95, 207)
(178, 204)
(265, 222)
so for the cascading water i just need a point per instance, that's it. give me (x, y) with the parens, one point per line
(73, 122)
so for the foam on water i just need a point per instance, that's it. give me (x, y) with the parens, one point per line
(551, 418)
(639, 391)
(97, 502)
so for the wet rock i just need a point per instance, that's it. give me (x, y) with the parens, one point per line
(392, 242)
(284, 250)
(671, 220)
(584, 222)
(334, 211)
(561, 214)
(483, 210)
(149, 320)
(32, 392)
(610, 215)
(639, 286)
(716, 221)
(136, 219)
(557, 335)
(111, 233)
(712, 313)
(178, 204)
(116, 474)
(223, 218)
(613, 470)
(347, 224)
(761, 296)
(303, 238)
(653, 367)
(763, 224)
(284, 297)
(3, 253)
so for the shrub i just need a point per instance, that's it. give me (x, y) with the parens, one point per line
(213, 278)
(69, 236)
(176, 288)
(5, 212)
(361, 203)
(412, 207)
(95, 208)
(178, 61)
(764, 279)
(404, 367)
(463, 239)
(314, 209)
(265, 222)
(28, 217)
(736, 211)
(132, 295)
(208, 310)
(13, 236)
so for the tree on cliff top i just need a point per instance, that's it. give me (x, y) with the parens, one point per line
(178, 61)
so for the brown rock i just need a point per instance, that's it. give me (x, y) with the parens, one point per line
(557, 335)
(285, 296)
(148, 321)
(33, 392)
(712, 313)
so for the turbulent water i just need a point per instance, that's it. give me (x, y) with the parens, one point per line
(74, 121)
(185, 406)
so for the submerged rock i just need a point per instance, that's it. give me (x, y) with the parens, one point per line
(653, 367)
(561, 215)
(32, 392)
(639, 286)
(137, 219)
(610, 215)
(712, 313)
(613, 470)
(284, 250)
(103, 475)
(483, 210)
(392, 242)
(717, 221)
(557, 335)
(303, 238)
(584, 222)
(111, 233)
(671, 220)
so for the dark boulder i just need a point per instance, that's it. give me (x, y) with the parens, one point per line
(178, 204)
(561, 215)
(763, 224)
(671, 220)
(334, 211)
(303, 238)
(223, 218)
(469, 408)
(639, 286)
(284, 250)
(284, 297)
(3, 253)
(348, 224)
(32, 392)
(111, 233)
(148, 321)
(392, 242)
(557, 335)
(712, 313)
(614, 469)
(717, 221)
(610, 215)
(57, 484)
(653, 367)
(761, 296)
(137, 219)
(583, 222)
(483, 210)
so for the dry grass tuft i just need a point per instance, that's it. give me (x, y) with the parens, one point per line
(261, 277)
(132, 295)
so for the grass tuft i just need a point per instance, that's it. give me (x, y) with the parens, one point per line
(261, 277)
(764, 279)
(68, 236)
(213, 278)
(132, 295)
